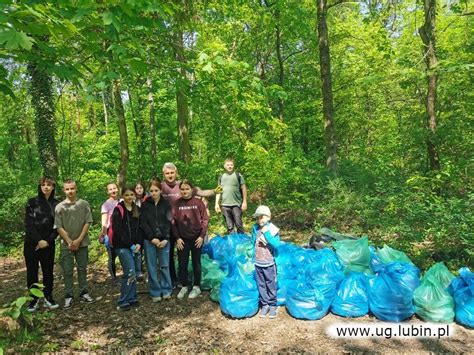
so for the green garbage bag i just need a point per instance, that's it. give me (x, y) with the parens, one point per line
(245, 249)
(354, 254)
(432, 300)
(441, 273)
(212, 275)
(216, 291)
(387, 255)
(333, 236)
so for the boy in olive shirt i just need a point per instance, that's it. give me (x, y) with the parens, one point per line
(233, 200)
(72, 219)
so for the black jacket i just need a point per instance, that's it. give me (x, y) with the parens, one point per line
(156, 219)
(39, 219)
(127, 230)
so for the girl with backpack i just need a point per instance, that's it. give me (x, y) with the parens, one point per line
(106, 216)
(127, 241)
(156, 225)
(190, 221)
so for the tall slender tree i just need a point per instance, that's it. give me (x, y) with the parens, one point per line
(428, 37)
(122, 124)
(326, 87)
(182, 90)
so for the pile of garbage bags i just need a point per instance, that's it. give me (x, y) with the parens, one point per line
(350, 281)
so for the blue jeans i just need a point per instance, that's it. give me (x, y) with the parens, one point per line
(159, 280)
(128, 292)
(137, 258)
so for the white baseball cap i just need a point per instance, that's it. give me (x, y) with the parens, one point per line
(261, 211)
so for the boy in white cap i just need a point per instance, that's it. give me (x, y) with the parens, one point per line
(265, 239)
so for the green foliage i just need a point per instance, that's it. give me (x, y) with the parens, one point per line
(236, 86)
(15, 316)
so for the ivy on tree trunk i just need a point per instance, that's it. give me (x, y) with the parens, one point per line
(42, 102)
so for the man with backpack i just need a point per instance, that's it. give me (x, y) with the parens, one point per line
(234, 197)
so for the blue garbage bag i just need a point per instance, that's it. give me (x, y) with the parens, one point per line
(311, 294)
(286, 272)
(224, 249)
(462, 290)
(352, 299)
(375, 263)
(282, 290)
(302, 257)
(303, 302)
(238, 293)
(391, 291)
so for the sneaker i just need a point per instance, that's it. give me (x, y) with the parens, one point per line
(264, 311)
(134, 304)
(68, 302)
(49, 303)
(273, 312)
(166, 297)
(33, 306)
(182, 293)
(156, 299)
(195, 292)
(124, 307)
(86, 298)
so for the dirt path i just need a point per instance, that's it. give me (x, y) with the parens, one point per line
(196, 326)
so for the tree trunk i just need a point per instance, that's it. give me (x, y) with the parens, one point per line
(151, 102)
(136, 123)
(428, 37)
(106, 112)
(42, 102)
(281, 69)
(78, 112)
(122, 125)
(182, 87)
(326, 88)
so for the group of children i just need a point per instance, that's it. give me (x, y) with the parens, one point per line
(171, 214)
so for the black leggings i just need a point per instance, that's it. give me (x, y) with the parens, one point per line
(183, 260)
(111, 262)
(35, 258)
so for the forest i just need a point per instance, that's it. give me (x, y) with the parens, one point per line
(352, 115)
(356, 116)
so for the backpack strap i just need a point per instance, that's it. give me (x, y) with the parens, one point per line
(121, 210)
(239, 178)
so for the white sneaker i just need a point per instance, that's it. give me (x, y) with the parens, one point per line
(68, 302)
(86, 298)
(33, 306)
(196, 291)
(182, 293)
(166, 297)
(50, 304)
(156, 299)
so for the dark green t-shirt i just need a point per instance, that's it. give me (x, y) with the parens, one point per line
(231, 194)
